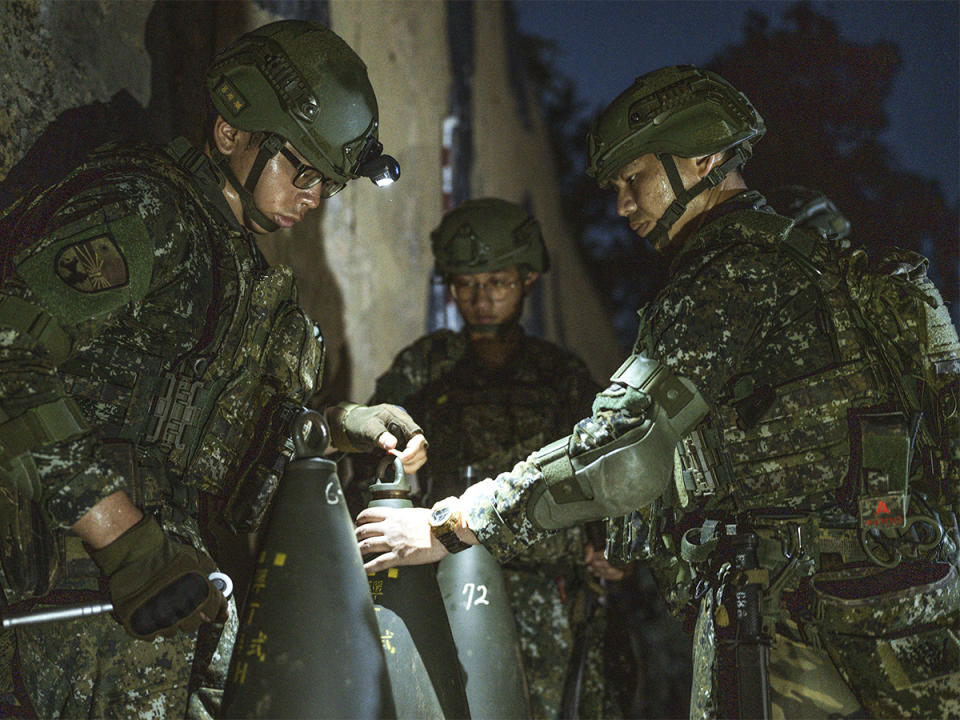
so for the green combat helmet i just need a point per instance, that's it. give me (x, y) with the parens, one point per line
(678, 111)
(486, 235)
(299, 82)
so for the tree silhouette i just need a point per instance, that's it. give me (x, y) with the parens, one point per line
(822, 98)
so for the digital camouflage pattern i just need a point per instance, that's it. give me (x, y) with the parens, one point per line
(760, 319)
(187, 354)
(102, 672)
(483, 419)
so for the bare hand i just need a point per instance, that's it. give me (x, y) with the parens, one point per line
(600, 567)
(413, 456)
(402, 535)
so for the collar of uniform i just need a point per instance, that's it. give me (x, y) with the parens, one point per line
(205, 176)
(745, 201)
(514, 366)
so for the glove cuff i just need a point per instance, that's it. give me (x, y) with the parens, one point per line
(143, 536)
(337, 420)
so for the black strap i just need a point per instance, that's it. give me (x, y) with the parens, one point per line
(246, 195)
(683, 196)
(268, 149)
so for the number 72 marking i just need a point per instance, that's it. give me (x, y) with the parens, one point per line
(480, 598)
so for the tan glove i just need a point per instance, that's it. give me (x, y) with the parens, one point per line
(159, 586)
(356, 428)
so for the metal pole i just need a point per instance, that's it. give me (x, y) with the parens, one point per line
(221, 581)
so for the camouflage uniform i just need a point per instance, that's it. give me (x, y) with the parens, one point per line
(173, 356)
(759, 317)
(484, 418)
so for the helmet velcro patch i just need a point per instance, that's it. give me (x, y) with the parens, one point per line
(230, 96)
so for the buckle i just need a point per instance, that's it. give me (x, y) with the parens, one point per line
(176, 408)
(700, 460)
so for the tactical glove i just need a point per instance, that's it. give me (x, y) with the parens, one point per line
(616, 410)
(355, 428)
(158, 586)
(622, 397)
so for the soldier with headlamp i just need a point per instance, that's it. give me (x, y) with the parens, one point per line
(152, 361)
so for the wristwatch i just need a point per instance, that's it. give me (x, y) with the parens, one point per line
(444, 518)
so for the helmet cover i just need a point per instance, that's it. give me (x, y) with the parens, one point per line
(301, 81)
(679, 110)
(485, 235)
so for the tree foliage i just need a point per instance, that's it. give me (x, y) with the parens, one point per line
(822, 97)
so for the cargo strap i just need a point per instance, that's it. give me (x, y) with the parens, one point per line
(36, 322)
(53, 422)
(558, 472)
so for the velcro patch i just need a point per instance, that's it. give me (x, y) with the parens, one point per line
(231, 96)
(92, 265)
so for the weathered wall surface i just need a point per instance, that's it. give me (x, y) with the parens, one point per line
(49, 64)
(89, 71)
(513, 161)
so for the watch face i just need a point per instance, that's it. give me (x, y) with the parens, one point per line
(440, 515)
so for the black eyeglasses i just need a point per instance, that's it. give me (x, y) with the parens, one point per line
(308, 176)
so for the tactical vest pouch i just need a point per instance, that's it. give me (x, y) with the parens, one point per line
(31, 548)
(260, 471)
(240, 453)
(893, 634)
(884, 466)
(31, 551)
(903, 313)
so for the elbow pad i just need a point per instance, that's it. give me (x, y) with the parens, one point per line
(626, 468)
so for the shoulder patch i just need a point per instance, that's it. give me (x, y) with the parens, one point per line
(91, 266)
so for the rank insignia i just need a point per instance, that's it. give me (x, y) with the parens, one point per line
(92, 266)
(231, 96)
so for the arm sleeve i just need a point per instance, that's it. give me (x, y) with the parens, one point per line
(95, 260)
(702, 326)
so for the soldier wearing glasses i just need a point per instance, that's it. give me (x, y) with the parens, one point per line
(151, 363)
(489, 395)
(782, 446)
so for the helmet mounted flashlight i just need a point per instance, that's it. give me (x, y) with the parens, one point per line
(383, 170)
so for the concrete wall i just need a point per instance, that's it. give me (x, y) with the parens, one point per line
(99, 70)
(514, 161)
(48, 63)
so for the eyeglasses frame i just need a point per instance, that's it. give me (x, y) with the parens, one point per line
(300, 167)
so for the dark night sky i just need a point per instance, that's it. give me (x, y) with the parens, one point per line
(604, 44)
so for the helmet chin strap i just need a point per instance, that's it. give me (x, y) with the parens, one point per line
(496, 331)
(268, 149)
(659, 236)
